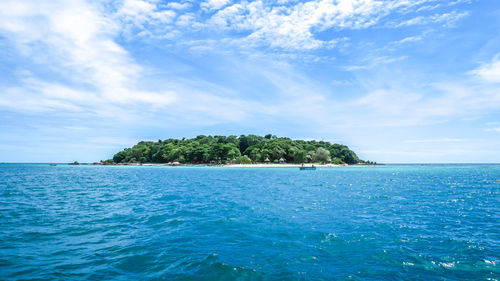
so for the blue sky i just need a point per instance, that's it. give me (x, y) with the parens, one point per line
(397, 81)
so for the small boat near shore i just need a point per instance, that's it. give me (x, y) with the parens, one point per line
(312, 167)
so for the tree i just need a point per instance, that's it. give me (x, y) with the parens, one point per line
(232, 153)
(290, 156)
(243, 160)
(265, 153)
(254, 154)
(337, 161)
(321, 155)
(300, 156)
(118, 158)
(348, 156)
(243, 143)
(277, 153)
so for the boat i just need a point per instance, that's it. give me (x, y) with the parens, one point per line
(307, 168)
(52, 165)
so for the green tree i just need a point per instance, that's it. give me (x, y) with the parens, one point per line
(337, 161)
(348, 156)
(255, 155)
(300, 156)
(321, 155)
(120, 156)
(243, 160)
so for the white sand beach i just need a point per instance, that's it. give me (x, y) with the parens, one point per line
(258, 165)
(262, 165)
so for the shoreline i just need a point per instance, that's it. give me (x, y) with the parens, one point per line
(258, 165)
(280, 165)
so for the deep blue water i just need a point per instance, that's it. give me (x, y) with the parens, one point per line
(393, 222)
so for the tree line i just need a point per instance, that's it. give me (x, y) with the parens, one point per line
(234, 149)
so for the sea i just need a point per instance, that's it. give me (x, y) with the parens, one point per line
(388, 222)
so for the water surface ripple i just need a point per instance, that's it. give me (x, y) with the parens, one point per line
(394, 222)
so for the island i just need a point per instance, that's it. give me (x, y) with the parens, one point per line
(234, 150)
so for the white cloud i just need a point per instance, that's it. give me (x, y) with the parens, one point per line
(291, 27)
(178, 6)
(497, 129)
(408, 40)
(99, 77)
(428, 7)
(288, 25)
(447, 19)
(78, 44)
(212, 5)
(396, 101)
(294, 27)
(441, 140)
(144, 18)
(141, 12)
(489, 72)
(375, 61)
(186, 20)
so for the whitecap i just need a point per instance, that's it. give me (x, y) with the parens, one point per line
(447, 264)
(494, 263)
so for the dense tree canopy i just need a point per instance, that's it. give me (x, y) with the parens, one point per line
(242, 149)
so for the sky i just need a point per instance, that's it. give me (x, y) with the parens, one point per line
(398, 81)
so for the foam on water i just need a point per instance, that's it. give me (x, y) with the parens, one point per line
(420, 222)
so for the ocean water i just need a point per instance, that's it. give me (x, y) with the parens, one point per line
(392, 222)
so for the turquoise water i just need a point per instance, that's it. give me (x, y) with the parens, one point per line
(406, 222)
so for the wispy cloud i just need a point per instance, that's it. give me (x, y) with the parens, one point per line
(489, 72)
(441, 140)
(428, 7)
(292, 27)
(178, 6)
(212, 5)
(446, 19)
(286, 25)
(80, 47)
(408, 40)
(373, 62)
(497, 129)
(141, 12)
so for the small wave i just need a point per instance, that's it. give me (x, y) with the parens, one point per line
(447, 264)
(493, 263)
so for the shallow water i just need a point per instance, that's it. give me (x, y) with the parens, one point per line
(393, 222)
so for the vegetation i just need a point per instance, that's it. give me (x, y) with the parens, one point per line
(233, 149)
